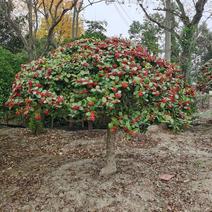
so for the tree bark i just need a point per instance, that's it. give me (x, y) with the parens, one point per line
(31, 39)
(52, 122)
(71, 124)
(167, 32)
(77, 24)
(74, 22)
(110, 167)
(90, 125)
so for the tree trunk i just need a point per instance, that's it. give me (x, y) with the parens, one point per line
(77, 24)
(31, 40)
(90, 125)
(168, 33)
(73, 30)
(83, 124)
(71, 124)
(52, 122)
(110, 167)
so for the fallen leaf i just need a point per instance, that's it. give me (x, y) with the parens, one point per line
(166, 177)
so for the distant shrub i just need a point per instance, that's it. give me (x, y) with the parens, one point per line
(9, 66)
(204, 79)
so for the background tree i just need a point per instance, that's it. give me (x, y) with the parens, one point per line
(8, 37)
(63, 31)
(135, 31)
(79, 8)
(96, 29)
(186, 36)
(52, 10)
(7, 9)
(147, 33)
(203, 48)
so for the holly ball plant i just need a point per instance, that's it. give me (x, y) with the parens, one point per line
(114, 78)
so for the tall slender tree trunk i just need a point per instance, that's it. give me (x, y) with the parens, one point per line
(77, 24)
(73, 29)
(77, 17)
(110, 167)
(31, 39)
(168, 33)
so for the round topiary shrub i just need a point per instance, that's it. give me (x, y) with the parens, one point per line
(113, 78)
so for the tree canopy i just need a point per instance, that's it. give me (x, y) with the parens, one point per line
(113, 78)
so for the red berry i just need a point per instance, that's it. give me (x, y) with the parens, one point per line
(36, 75)
(60, 99)
(120, 73)
(164, 100)
(140, 93)
(118, 95)
(75, 107)
(145, 73)
(115, 66)
(90, 104)
(38, 117)
(17, 113)
(92, 116)
(46, 112)
(117, 55)
(113, 129)
(83, 91)
(85, 64)
(114, 89)
(124, 84)
(28, 101)
(156, 93)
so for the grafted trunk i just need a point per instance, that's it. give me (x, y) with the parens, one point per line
(90, 125)
(52, 122)
(71, 124)
(167, 32)
(110, 167)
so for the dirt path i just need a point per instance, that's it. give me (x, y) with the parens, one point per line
(59, 171)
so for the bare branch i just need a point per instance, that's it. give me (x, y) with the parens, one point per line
(91, 3)
(57, 6)
(199, 6)
(170, 10)
(50, 8)
(157, 22)
(184, 17)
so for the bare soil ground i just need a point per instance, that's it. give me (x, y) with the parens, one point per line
(59, 171)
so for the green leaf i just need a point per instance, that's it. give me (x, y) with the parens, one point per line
(104, 100)
(110, 125)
